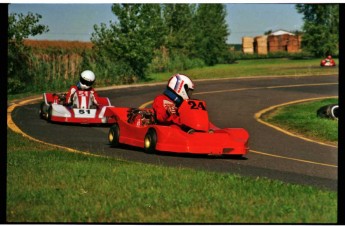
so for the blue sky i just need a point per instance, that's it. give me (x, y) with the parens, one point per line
(75, 21)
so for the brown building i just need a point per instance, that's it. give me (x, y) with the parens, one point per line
(277, 41)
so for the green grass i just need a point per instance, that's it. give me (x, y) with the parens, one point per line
(302, 119)
(245, 68)
(49, 185)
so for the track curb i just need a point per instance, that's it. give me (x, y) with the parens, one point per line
(258, 117)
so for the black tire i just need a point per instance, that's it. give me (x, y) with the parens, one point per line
(333, 111)
(42, 110)
(49, 113)
(329, 111)
(114, 135)
(150, 141)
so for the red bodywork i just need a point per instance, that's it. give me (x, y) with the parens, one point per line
(54, 109)
(327, 63)
(206, 138)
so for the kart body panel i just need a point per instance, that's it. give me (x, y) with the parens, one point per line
(327, 63)
(55, 110)
(206, 138)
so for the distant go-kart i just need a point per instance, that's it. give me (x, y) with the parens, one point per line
(54, 109)
(197, 135)
(328, 62)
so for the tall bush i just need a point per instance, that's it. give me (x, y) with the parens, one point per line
(19, 56)
(212, 33)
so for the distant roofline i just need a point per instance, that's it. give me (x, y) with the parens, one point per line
(282, 31)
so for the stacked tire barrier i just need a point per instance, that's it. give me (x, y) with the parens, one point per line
(329, 111)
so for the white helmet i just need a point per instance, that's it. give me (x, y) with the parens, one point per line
(87, 78)
(181, 85)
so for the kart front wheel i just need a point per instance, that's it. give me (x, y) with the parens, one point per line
(41, 112)
(114, 135)
(150, 141)
(49, 113)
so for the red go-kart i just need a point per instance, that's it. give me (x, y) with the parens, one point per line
(54, 109)
(328, 62)
(197, 135)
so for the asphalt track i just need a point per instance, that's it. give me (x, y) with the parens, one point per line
(274, 153)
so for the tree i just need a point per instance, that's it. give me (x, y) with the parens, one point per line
(321, 28)
(212, 33)
(184, 35)
(268, 32)
(131, 41)
(20, 27)
(178, 19)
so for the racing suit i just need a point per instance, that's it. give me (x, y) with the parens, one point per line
(165, 110)
(81, 98)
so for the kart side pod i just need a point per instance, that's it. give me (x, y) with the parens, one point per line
(193, 114)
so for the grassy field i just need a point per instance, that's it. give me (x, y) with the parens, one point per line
(46, 184)
(302, 119)
(245, 68)
(50, 185)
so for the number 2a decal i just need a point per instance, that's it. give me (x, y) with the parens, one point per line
(81, 111)
(196, 105)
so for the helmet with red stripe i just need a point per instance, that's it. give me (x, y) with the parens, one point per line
(181, 85)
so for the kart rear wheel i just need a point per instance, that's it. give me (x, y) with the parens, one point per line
(150, 141)
(114, 135)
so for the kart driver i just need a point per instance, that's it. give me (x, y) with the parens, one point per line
(165, 105)
(83, 95)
